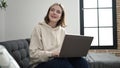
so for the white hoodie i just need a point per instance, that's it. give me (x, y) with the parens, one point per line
(44, 40)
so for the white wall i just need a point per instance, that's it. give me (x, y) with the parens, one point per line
(2, 25)
(23, 15)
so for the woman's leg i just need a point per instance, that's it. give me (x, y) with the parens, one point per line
(79, 62)
(55, 63)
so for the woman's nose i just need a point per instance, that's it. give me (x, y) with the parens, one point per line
(54, 12)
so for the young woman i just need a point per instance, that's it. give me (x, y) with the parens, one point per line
(46, 42)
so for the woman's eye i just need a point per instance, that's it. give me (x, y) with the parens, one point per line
(58, 11)
(52, 9)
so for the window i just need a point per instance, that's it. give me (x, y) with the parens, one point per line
(98, 19)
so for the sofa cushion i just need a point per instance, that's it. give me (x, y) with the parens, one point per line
(19, 50)
(103, 60)
(6, 60)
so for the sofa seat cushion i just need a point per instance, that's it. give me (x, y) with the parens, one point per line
(103, 60)
(19, 50)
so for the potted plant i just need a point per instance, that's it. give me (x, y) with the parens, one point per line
(3, 4)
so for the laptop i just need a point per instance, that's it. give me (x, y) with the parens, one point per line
(75, 46)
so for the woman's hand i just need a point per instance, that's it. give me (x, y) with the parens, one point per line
(55, 53)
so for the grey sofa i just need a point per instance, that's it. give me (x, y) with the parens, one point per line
(19, 49)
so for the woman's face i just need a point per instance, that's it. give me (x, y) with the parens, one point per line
(55, 13)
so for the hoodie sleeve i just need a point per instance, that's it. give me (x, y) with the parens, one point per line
(37, 52)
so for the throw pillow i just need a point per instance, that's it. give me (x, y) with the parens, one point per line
(6, 60)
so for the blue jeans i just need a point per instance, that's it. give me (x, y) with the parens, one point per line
(65, 63)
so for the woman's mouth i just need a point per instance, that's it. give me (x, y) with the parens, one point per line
(53, 16)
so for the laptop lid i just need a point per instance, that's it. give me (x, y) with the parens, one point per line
(75, 46)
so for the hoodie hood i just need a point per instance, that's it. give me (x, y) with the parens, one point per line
(48, 26)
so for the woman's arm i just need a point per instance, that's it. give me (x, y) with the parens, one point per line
(37, 52)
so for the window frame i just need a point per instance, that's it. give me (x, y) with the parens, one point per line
(114, 21)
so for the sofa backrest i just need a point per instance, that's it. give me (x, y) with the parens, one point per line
(19, 49)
